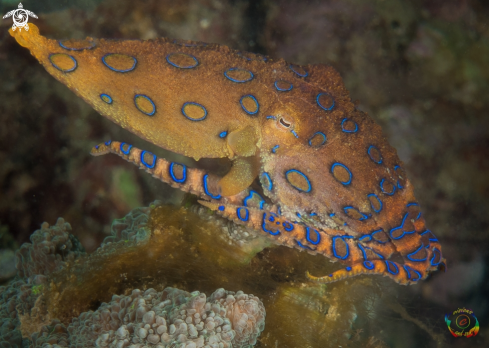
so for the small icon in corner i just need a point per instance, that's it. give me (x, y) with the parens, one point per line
(20, 17)
(462, 323)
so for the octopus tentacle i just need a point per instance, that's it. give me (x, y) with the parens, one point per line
(388, 268)
(411, 271)
(343, 248)
(192, 180)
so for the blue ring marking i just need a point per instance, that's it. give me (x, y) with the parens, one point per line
(279, 211)
(388, 264)
(414, 204)
(269, 187)
(346, 130)
(184, 173)
(270, 117)
(128, 149)
(370, 155)
(364, 216)
(332, 214)
(264, 221)
(348, 170)
(283, 89)
(96, 147)
(333, 244)
(434, 255)
(368, 236)
(324, 139)
(348, 269)
(76, 49)
(108, 142)
(377, 240)
(246, 110)
(221, 208)
(238, 81)
(206, 189)
(182, 67)
(303, 246)
(122, 71)
(271, 218)
(411, 258)
(278, 222)
(288, 226)
(147, 98)
(298, 215)
(308, 236)
(152, 165)
(107, 96)
(323, 107)
(408, 272)
(398, 184)
(247, 214)
(57, 67)
(304, 176)
(274, 149)
(401, 228)
(250, 196)
(295, 134)
(313, 214)
(223, 134)
(368, 265)
(291, 67)
(382, 182)
(378, 199)
(434, 239)
(364, 253)
(379, 255)
(194, 119)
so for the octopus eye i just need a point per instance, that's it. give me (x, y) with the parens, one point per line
(284, 123)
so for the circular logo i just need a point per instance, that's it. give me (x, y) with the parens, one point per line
(20, 17)
(462, 323)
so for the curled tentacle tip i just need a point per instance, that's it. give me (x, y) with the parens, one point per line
(100, 149)
(316, 279)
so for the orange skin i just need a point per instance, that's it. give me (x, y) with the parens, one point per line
(324, 165)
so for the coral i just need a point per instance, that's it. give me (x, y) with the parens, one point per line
(10, 336)
(51, 248)
(172, 318)
(161, 249)
(131, 227)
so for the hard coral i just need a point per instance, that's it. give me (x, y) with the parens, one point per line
(131, 227)
(161, 246)
(51, 248)
(171, 318)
